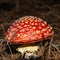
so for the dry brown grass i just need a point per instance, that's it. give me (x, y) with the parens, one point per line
(52, 52)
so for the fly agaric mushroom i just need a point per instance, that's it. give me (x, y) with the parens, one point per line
(28, 29)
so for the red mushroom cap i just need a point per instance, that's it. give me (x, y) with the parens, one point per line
(28, 29)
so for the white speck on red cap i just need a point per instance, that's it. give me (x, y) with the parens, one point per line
(34, 27)
(32, 23)
(22, 23)
(25, 25)
(38, 31)
(43, 24)
(40, 27)
(28, 29)
(36, 23)
(20, 27)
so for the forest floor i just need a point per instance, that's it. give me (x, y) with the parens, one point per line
(47, 10)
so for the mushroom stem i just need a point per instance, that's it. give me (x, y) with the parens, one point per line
(28, 51)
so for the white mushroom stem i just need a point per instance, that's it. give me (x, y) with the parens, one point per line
(25, 49)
